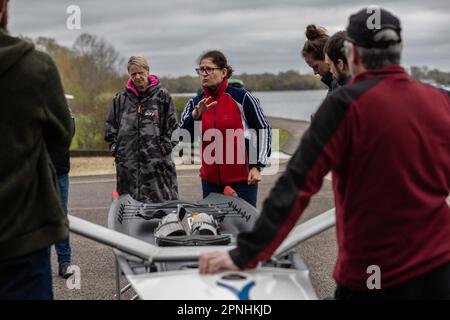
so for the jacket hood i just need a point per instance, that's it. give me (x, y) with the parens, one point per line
(11, 50)
(153, 81)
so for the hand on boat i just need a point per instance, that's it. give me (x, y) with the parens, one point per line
(212, 262)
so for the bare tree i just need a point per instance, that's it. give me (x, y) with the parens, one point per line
(98, 61)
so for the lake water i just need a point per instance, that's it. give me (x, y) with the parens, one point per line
(295, 105)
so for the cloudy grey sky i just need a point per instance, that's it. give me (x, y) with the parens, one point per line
(256, 35)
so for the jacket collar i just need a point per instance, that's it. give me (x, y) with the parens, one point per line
(389, 71)
(218, 92)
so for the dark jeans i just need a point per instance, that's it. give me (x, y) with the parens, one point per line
(63, 249)
(244, 191)
(27, 278)
(434, 284)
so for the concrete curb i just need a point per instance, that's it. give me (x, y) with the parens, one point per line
(181, 167)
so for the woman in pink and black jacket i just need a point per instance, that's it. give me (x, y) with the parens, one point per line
(139, 131)
(236, 136)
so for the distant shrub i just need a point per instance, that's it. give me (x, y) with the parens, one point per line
(180, 102)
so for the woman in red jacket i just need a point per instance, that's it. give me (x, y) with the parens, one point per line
(236, 136)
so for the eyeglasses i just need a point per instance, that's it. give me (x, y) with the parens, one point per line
(207, 70)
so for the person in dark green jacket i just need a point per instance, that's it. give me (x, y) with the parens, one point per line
(34, 119)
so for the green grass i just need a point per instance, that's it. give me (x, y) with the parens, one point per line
(87, 136)
(284, 136)
(74, 144)
(180, 103)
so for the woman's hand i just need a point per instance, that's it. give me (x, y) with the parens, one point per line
(211, 262)
(202, 107)
(254, 176)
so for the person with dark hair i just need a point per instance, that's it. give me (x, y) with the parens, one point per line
(34, 120)
(385, 139)
(313, 53)
(237, 157)
(139, 131)
(335, 58)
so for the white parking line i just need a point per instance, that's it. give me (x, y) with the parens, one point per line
(93, 181)
(87, 208)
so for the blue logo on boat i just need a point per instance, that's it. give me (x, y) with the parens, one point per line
(242, 294)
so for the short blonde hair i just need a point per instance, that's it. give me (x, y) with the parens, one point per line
(139, 61)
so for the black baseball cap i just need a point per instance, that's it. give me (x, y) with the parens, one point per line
(361, 32)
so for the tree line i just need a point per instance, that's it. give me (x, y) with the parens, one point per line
(287, 80)
(89, 71)
(422, 73)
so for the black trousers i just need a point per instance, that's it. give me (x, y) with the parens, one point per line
(432, 285)
(27, 278)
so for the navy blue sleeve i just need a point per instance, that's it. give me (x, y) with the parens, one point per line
(257, 120)
(187, 121)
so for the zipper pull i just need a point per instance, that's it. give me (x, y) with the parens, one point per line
(138, 109)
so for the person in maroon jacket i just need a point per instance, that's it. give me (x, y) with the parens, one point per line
(386, 140)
